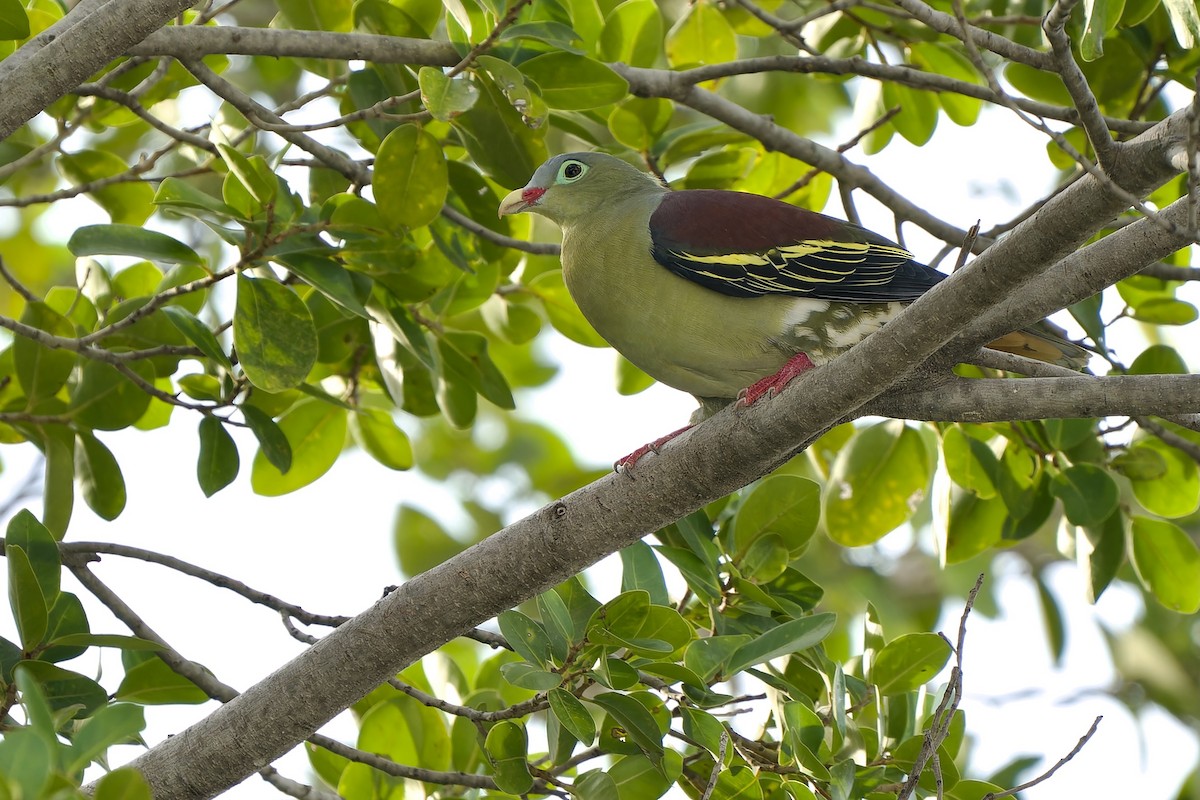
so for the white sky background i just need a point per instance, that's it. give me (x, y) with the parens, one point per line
(328, 547)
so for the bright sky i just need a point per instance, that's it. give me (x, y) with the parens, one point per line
(328, 547)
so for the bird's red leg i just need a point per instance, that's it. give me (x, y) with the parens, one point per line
(628, 461)
(773, 384)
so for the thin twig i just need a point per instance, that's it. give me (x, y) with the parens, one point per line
(939, 724)
(1048, 773)
(716, 770)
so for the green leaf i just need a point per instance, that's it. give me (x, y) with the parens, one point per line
(1165, 311)
(42, 370)
(640, 570)
(878, 482)
(765, 559)
(110, 725)
(555, 34)
(464, 355)
(918, 115)
(629, 620)
(572, 82)
(446, 97)
(315, 431)
(1097, 15)
(128, 203)
(1088, 493)
(1037, 84)
(527, 676)
(1158, 359)
(1175, 494)
(274, 334)
(1100, 552)
(379, 436)
(969, 462)
(122, 784)
(638, 723)
(14, 23)
(177, 194)
(273, 444)
(27, 761)
(507, 748)
(63, 688)
(526, 636)
(67, 621)
(41, 551)
(639, 122)
(25, 598)
(317, 15)
(197, 333)
(638, 777)
(99, 476)
(105, 399)
(130, 240)
(787, 505)
(218, 463)
(1185, 21)
(496, 135)
(908, 662)
(251, 173)
(572, 715)
(1167, 562)
(633, 34)
(701, 36)
(1064, 434)
(1052, 618)
(1141, 464)
(116, 640)
(152, 682)
(411, 181)
(58, 495)
(943, 60)
(790, 637)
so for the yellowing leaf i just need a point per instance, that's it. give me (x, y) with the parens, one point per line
(273, 333)
(701, 36)
(316, 431)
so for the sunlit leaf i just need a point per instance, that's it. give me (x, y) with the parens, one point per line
(1167, 562)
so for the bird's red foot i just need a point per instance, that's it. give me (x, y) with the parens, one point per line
(773, 384)
(626, 463)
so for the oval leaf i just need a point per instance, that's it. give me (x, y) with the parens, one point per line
(908, 662)
(411, 180)
(274, 334)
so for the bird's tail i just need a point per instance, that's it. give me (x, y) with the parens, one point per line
(1044, 345)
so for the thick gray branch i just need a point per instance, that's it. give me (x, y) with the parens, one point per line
(194, 42)
(963, 400)
(91, 36)
(1081, 275)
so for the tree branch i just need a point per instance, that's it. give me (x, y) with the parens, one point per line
(998, 400)
(60, 59)
(194, 42)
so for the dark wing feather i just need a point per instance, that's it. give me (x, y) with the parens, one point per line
(746, 245)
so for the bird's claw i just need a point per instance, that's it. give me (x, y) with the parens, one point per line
(772, 385)
(625, 464)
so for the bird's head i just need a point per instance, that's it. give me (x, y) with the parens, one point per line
(569, 187)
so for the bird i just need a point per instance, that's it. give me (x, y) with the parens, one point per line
(725, 295)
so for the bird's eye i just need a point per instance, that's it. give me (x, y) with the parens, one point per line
(572, 171)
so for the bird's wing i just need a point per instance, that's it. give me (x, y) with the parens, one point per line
(746, 245)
